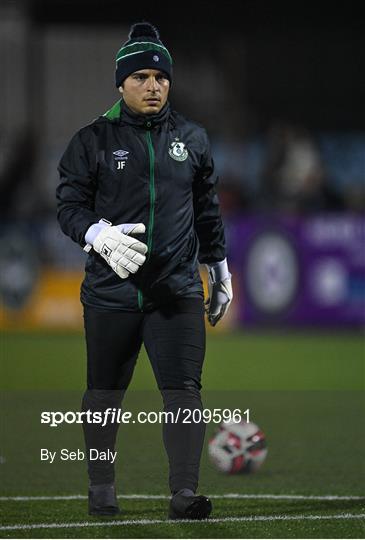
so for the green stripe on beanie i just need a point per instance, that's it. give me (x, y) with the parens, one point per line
(141, 46)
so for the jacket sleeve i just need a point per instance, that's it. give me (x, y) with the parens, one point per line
(207, 216)
(76, 190)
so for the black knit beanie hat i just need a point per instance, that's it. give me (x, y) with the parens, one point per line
(143, 50)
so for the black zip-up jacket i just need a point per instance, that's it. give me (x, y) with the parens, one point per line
(156, 170)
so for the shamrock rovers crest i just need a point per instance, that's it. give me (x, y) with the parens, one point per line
(178, 151)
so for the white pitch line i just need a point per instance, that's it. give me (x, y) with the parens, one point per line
(223, 496)
(119, 523)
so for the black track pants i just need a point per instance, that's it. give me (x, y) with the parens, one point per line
(174, 338)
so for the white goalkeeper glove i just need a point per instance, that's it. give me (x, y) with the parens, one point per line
(220, 291)
(122, 252)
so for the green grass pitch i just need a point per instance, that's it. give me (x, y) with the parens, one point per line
(304, 390)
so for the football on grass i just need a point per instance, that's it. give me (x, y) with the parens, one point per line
(238, 447)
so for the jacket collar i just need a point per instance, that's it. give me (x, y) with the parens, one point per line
(121, 113)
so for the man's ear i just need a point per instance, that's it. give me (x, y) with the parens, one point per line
(121, 89)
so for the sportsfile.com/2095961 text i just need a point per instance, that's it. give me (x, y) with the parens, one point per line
(114, 415)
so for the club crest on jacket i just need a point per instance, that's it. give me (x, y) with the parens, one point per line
(178, 151)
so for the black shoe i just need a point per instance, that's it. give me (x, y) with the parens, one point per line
(103, 500)
(189, 507)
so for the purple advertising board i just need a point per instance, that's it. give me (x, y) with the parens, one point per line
(299, 270)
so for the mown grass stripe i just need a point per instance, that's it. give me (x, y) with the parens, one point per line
(222, 496)
(83, 524)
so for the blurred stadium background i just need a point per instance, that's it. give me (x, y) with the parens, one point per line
(281, 92)
(280, 89)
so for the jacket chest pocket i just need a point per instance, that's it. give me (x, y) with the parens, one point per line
(122, 189)
(177, 174)
(114, 172)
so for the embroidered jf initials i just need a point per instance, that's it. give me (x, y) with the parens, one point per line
(120, 157)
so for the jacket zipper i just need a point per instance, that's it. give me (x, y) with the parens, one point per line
(151, 153)
(140, 299)
(152, 192)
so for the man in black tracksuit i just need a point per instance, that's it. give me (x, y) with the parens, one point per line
(137, 192)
